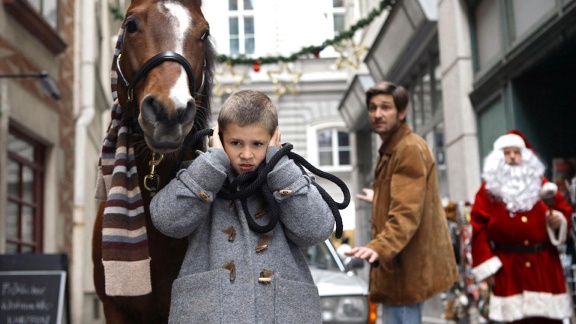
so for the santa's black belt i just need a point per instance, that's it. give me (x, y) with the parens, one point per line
(521, 248)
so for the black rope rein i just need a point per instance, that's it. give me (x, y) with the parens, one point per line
(248, 183)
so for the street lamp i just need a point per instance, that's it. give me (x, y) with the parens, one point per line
(45, 82)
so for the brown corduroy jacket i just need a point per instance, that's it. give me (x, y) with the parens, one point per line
(409, 227)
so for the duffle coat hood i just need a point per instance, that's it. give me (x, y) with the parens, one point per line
(232, 274)
(409, 226)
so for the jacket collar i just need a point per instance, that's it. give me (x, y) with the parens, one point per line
(388, 147)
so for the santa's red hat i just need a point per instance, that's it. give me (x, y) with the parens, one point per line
(519, 133)
(514, 138)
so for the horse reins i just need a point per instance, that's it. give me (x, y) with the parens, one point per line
(249, 182)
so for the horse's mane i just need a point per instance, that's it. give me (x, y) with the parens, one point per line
(204, 109)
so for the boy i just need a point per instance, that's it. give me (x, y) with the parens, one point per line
(231, 273)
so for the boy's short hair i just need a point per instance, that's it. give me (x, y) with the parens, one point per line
(248, 107)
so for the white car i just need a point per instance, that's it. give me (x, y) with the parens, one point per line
(343, 294)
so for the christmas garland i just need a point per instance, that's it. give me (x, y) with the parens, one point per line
(309, 50)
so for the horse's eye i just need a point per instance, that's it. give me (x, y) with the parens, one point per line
(205, 35)
(131, 26)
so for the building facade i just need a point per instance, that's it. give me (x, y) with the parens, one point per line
(54, 98)
(475, 69)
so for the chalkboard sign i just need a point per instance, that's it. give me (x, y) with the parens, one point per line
(33, 289)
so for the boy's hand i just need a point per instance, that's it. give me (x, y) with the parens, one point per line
(215, 139)
(275, 140)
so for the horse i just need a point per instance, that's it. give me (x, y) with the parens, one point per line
(164, 65)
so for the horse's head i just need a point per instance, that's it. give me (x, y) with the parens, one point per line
(165, 70)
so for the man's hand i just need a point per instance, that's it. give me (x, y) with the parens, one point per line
(368, 195)
(554, 219)
(364, 253)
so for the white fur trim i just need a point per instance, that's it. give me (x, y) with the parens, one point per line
(487, 268)
(562, 235)
(509, 140)
(127, 278)
(530, 304)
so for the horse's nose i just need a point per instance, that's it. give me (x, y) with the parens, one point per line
(155, 111)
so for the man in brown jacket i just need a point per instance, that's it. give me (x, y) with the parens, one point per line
(411, 253)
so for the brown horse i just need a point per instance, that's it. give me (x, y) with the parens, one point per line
(164, 65)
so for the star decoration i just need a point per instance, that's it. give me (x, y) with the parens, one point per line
(227, 80)
(284, 79)
(349, 54)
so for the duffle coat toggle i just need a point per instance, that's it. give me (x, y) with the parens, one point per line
(265, 276)
(231, 232)
(232, 268)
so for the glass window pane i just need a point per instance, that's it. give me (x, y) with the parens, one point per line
(527, 13)
(344, 157)
(234, 47)
(27, 224)
(325, 158)
(12, 221)
(50, 12)
(27, 249)
(248, 4)
(13, 175)
(248, 25)
(417, 105)
(325, 138)
(489, 32)
(249, 45)
(426, 98)
(23, 149)
(232, 5)
(27, 184)
(438, 103)
(233, 26)
(337, 3)
(338, 23)
(343, 139)
(11, 248)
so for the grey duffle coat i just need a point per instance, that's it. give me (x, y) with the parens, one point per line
(232, 274)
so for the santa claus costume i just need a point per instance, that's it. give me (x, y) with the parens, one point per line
(512, 240)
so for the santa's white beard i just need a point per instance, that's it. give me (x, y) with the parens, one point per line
(516, 185)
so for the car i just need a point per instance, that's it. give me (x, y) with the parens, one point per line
(343, 293)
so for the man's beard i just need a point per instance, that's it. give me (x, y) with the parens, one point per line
(516, 185)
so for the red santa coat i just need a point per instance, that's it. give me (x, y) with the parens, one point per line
(526, 284)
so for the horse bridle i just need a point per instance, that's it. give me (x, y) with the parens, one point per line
(155, 61)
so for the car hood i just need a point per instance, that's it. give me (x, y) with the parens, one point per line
(333, 283)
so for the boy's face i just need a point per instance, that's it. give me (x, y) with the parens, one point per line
(245, 146)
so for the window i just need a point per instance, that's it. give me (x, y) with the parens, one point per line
(338, 16)
(241, 27)
(24, 219)
(499, 27)
(333, 148)
(40, 18)
(47, 9)
(425, 108)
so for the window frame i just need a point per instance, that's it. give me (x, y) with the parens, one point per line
(31, 20)
(38, 187)
(314, 148)
(241, 14)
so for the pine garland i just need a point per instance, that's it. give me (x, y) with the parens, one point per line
(305, 51)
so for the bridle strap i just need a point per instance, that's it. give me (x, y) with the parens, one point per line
(155, 61)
